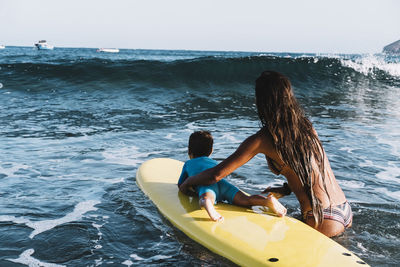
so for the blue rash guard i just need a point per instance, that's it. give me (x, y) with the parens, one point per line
(223, 190)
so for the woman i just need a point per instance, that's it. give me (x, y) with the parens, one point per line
(292, 148)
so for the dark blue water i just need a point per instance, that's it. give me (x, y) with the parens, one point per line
(76, 124)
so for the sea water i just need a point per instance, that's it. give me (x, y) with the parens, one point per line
(76, 125)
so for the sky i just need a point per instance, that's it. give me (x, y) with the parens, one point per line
(315, 26)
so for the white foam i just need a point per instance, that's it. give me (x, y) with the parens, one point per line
(367, 64)
(17, 220)
(170, 136)
(136, 257)
(99, 261)
(230, 138)
(366, 163)
(42, 226)
(391, 137)
(116, 180)
(390, 173)
(97, 226)
(27, 259)
(99, 234)
(261, 187)
(129, 156)
(159, 257)
(395, 195)
(76, 215)
(347, 149)
(10, 172)
(191, 126)
(127, 263)
(352, 184)
(360, 246)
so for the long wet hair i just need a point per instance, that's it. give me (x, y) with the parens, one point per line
(295, 140)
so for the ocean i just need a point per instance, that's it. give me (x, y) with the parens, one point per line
(75, 125)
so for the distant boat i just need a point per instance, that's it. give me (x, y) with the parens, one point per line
(2, 47)
(108, 50)
(43, 45)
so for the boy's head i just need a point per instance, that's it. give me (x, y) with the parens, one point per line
(200, 144)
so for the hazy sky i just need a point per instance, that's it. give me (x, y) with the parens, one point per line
(334, 26)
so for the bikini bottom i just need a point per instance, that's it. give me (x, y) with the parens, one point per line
(341, 213)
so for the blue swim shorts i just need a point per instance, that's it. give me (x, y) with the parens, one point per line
(223, 191)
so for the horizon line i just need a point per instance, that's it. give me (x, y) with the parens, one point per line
(206, 50)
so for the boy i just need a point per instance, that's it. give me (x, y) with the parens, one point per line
(200, 148)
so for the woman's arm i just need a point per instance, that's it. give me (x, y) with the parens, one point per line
(246, 151)
(279, 191)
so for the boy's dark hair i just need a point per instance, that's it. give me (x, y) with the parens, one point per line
(200, 144)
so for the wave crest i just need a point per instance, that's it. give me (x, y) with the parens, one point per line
(203, 71)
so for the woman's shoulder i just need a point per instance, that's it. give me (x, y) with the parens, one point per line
(264, 135)
(264, 138)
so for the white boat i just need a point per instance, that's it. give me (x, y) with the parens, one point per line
(2, 47)
(108, 50)
(43, 45)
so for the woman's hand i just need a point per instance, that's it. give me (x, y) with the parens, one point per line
(279, 191)
(187, 189)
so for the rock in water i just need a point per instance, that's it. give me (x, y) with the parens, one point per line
(393, 48)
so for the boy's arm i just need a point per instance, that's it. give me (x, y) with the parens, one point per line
(183, 176)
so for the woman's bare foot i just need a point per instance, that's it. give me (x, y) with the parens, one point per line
(275, 206)
(209, 207)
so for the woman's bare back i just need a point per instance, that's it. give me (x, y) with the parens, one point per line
(332, 196)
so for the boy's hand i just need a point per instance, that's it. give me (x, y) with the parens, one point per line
(279, 191)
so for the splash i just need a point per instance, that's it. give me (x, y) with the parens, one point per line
(369, 64)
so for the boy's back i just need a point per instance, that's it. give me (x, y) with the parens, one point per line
(195, 166)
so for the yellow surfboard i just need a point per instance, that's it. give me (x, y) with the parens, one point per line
(247, 237)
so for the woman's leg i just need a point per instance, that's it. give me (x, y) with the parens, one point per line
(270, 201)
(207, 201)
(328, 227)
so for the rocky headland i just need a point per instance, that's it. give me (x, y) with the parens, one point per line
(393, 48)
